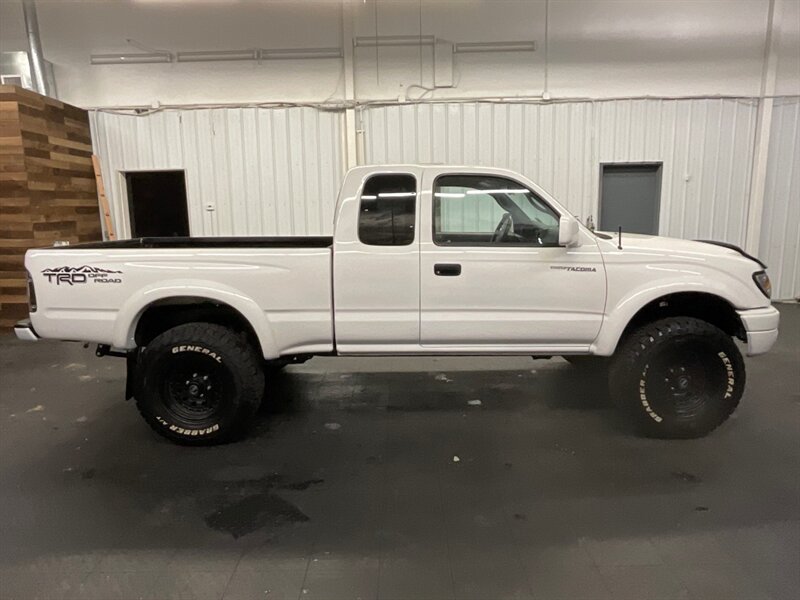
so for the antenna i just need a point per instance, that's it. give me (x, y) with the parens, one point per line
(619, 238)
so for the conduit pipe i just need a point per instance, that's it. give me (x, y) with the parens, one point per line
(42, 77)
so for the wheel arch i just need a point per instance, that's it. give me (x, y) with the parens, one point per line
(153, 311)
(706, 306)
(165, 314)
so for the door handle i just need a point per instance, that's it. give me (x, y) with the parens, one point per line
(447, 269)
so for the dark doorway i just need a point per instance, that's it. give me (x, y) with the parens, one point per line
(157, 203)
(630, 197)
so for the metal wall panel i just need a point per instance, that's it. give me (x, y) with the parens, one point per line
(780, 226)
(249, 171)
(277, 171)
(706, 147)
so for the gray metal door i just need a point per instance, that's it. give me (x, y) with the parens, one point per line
(630, 196)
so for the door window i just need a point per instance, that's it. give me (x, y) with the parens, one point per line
(388, 209)
(479, 210)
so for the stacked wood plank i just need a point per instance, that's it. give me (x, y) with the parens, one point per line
(47, 186)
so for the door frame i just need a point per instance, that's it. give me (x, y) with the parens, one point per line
(642, 163)
(127, 217)
(545, 256)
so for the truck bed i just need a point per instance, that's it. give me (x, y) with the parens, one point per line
(97, 292)
(212, 242)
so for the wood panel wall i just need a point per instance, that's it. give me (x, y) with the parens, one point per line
(47, 186)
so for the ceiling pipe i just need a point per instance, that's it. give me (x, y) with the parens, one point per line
(464, 47)
(394, 40)
(130, 59)
(42, 78)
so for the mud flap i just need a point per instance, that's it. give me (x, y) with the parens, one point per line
(131, 361)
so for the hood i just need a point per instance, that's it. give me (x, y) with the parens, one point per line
(691, 249)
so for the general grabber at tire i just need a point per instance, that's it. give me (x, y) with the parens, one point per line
(199, 384)
(679, 377)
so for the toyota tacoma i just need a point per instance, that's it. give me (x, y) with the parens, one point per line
(424, 260)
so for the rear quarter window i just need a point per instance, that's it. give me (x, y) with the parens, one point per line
(388, 209)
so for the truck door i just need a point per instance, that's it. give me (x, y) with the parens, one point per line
(376, 265)
(492, 275)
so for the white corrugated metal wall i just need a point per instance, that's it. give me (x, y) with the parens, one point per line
(276, 171)
(706, 147)
(780, 227)
(249, 171)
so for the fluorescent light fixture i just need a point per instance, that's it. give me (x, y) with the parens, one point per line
(130, 59)
(464, 47)
(395, 40)
(290, 53)
(214, 55)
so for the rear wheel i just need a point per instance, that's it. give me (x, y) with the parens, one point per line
(199, 383)
(677, 378)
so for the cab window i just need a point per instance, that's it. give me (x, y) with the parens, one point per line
(471, 210)
(388, 209)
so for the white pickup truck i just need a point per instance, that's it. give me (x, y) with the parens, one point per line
(425, 260)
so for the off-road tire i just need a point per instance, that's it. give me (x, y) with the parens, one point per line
(199, 384)
(677, 378)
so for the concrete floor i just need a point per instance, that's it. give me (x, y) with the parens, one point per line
(349, 487)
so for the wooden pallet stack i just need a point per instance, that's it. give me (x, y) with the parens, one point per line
(47, 186)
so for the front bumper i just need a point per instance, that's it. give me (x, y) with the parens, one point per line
(761, 325)
(24, 331)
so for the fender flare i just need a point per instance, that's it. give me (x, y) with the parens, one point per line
(618, 316)
(128, 316)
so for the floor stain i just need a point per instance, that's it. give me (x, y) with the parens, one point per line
(254, 512)
(302, 485)
(251, 504)
(687, 477)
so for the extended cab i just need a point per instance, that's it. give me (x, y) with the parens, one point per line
(425, 260)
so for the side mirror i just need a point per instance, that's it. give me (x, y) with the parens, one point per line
(568, 232)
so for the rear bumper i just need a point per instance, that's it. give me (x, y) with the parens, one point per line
(24, 331)
(761, 325)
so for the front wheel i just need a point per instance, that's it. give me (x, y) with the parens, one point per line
(199, 384)
(677, 378)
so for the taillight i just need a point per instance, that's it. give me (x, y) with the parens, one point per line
(31, 293)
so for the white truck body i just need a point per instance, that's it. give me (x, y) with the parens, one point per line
(424, 260)
(344, 296)
(285, 293)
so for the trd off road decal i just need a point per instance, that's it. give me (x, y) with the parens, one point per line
(79, 275)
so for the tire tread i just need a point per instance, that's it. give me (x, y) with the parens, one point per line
(638, 343)
(237, 351)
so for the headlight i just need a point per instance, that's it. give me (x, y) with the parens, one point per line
(764, 284)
